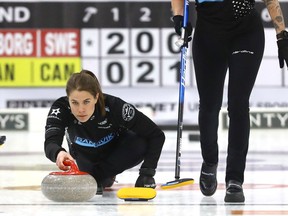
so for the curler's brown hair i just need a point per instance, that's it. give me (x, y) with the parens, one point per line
(86, 81)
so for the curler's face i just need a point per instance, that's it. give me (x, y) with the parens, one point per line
(82, 104)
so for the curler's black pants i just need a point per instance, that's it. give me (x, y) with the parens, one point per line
(215, 54)
(129, 152)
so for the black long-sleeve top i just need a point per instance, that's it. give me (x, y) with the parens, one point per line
(226, 16)
(98, 136)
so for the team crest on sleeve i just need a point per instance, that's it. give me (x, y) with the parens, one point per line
(128, 112)
(54, 113)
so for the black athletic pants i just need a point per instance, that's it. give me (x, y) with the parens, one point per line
(129, 152)
(213, 55)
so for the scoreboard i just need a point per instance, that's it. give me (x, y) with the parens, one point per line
(125, 43)
(128, 44)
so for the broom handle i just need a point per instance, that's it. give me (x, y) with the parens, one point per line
(181, 89)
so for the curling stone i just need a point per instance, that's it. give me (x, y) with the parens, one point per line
(69, 186)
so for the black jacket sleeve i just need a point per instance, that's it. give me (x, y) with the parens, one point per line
(145, 127)
(132, 119)
(55, 129)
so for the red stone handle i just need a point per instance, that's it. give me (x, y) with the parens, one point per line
(72, 171)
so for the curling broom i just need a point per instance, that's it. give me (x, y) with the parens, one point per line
(2, 140)
(183, 43)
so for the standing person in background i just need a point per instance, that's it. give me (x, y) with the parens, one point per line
(106, 135)
(228, 35)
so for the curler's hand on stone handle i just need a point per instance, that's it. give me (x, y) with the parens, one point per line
(61, 157)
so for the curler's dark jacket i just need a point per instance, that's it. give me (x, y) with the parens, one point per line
(97, 137)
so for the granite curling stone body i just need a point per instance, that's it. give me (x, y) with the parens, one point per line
(69, 186)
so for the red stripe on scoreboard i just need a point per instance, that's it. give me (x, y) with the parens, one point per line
(60, 42)
(18, 43)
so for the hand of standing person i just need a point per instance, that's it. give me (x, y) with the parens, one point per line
(277, 18)
(282, 42)
(178, 24)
